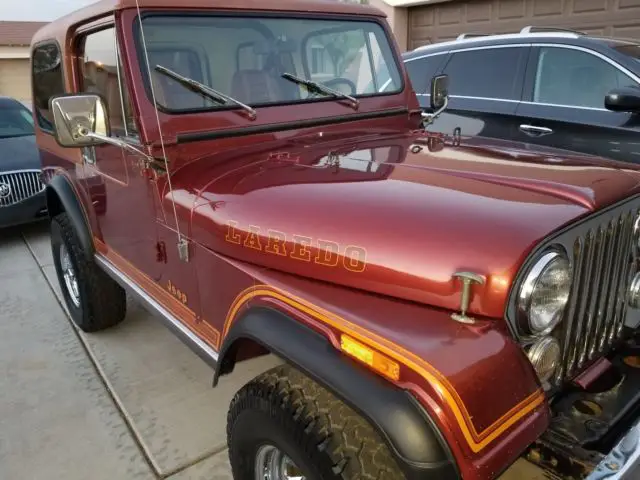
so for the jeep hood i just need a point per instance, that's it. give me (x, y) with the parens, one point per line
(397, 215)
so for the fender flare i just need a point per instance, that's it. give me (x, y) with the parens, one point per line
(412, 436)
(61, 197)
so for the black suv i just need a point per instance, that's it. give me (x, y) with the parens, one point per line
(553, 87)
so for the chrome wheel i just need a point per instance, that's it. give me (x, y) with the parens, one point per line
(69, 275)
(273, 464)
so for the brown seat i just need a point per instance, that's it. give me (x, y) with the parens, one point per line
(255, 86)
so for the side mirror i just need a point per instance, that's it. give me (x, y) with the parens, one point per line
(623, 99)
(439, 91)
(80, 120)
(439, 98)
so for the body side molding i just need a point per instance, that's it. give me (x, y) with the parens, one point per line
(410, 433)
(196, 344)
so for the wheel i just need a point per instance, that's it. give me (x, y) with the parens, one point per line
(94, 300)
(282, 425)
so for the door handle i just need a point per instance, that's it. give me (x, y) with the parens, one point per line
(534, 131)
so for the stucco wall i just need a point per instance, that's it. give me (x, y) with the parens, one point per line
(398, 18)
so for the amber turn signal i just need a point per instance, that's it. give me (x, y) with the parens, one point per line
(374, 360)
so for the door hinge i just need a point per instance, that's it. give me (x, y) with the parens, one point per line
(161, 252)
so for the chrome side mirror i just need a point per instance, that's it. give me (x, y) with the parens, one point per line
(80, 120)
(439, 98)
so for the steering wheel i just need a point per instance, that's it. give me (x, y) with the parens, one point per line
(346, 81)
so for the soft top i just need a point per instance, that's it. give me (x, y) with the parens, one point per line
(58, 27)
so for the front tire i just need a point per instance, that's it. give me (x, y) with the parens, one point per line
(95, 302)
(282, 425)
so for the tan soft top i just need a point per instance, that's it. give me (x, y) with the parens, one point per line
(58, 28)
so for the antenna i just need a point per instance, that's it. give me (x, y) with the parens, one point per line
(183, 245)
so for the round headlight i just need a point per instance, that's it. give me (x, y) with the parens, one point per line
(544, 294)
(544, 355)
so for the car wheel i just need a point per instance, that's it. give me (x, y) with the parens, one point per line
(282, 425)
(94, 300)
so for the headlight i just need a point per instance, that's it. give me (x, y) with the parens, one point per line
(544, 294)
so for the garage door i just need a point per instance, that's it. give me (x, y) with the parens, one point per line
(15, 79)
(445, 21)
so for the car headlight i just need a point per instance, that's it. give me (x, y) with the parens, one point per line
(544, 294)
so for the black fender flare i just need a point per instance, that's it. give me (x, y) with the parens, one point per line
(409, 432)
(61, 197)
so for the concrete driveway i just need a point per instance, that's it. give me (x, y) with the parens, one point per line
(128, 403)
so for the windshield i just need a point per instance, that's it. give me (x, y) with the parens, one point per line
(248, 59)
(15, 121)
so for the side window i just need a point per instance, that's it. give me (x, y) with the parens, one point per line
(488, 73)
(422, 70)
(47, 81)
(575, 78)
(100, 71)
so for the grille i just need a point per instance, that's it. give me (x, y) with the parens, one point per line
(23, 184)
(602, 267)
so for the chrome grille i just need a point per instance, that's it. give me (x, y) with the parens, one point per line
(602, 263)
(23, 184)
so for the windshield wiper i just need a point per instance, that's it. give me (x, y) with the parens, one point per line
(214, 95)
(315, 88)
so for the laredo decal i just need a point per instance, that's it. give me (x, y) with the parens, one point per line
(298, 247)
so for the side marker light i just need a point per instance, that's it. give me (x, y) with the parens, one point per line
(374, 360)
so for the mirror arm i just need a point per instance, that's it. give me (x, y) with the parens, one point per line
(156, 164)
(428, 118)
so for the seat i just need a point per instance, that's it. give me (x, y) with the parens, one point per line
(255, 86)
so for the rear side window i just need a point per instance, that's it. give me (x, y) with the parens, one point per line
(422, 70)
(487, 73)
(47, 81)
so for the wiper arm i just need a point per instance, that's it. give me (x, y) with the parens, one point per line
(214, 95)
(315, 87)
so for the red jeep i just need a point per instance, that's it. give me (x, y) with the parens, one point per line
(443, 306)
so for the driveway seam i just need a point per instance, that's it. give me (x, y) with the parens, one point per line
(146, 455)
(201, 458)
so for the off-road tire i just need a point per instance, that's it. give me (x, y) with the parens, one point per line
(325, 438)
(102, 301)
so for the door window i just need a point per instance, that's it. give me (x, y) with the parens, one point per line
(575, 78)
(101, 69)
(486, 73)
(47, 81)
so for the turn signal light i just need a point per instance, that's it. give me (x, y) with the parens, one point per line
(374, 360)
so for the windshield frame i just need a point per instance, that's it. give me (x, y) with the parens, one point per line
(143, 68)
